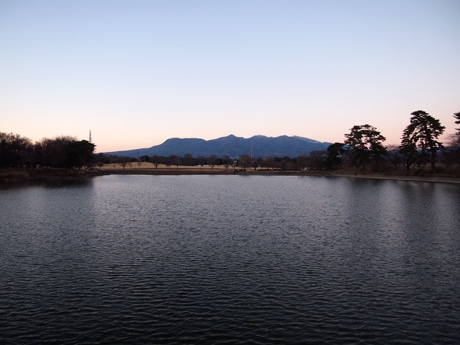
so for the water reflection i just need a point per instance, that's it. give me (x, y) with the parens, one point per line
(230, 259)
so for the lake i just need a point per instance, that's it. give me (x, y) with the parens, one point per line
(230, 260)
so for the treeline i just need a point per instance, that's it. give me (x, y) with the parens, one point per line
(60, 152)
(420, 146)
(243, 162)
(362, 149)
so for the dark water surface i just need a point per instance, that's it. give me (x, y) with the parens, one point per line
(230, 260)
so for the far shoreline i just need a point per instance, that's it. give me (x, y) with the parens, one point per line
(47, 175)
(313, 173)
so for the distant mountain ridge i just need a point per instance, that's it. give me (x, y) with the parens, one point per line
(232, 146)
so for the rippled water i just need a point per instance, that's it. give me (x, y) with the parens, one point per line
(230, 260)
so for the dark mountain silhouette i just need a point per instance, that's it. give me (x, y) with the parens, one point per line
(232, 146)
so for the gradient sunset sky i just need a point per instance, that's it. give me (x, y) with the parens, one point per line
(136, 73)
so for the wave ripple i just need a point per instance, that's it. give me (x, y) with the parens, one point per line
(229, 260)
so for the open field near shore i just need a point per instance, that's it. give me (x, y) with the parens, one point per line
(151, 166)
(162, 169)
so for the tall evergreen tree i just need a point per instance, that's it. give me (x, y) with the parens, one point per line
(457, 121)
(422, 133)
(366, 145)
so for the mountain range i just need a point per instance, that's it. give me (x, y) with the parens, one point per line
(232, 146)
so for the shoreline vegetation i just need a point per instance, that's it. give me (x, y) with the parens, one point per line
(57, 174)
(420, 157)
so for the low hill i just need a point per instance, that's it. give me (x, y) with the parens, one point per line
(232, 146)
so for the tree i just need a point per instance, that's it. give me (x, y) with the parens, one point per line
(457, 119)
(410, 155)
(212, 161)
(451, 154)
(393, 157)
(269, 162)
(175, 160)
(79, 154)
(302, 161)
(156, 160)
(286, 163)
(334, 154)
(316, 159)
(422, 133)
(188, 159)
(53, 152)
(15, 151)
(365, 143)
(457, 122)
(245, 161)
(123, 161)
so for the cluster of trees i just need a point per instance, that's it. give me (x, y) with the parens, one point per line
(419, 146)
(172, 160)
(363, 148)
(243, 162)
(59, 152)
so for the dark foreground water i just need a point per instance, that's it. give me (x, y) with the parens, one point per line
(230, 260)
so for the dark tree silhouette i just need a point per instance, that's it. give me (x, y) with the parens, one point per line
(269, 162)
(315, 159)
(245, 161)
(452, 153)
(52, 152)
(334, 154)
(79, 154)
(188, 159)
(15, 151)
(457, 119)
(457, 122)
(365, 142)
(422, 133)
(302, 161)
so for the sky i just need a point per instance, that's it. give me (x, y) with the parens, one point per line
(136, 73)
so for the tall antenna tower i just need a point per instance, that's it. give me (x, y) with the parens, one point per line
(90, 135)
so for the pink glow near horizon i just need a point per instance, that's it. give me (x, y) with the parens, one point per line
(137, 73)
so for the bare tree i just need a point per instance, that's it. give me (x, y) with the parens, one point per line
(245, 161)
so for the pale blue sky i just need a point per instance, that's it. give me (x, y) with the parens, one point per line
(139, 72)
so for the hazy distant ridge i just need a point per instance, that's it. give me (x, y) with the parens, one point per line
(232, 146)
